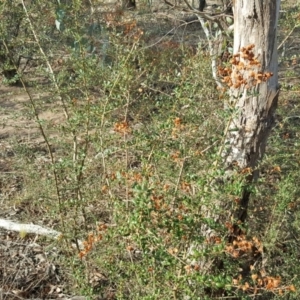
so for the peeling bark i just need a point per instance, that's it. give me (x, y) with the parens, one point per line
(253, 104)
(255, 22)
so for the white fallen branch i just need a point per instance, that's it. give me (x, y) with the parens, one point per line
(29, 228)
(36, 229)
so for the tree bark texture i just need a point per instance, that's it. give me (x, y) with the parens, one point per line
(255, 22)
(254, 90)
(253, 100)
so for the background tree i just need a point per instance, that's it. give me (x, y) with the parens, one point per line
(9, 56)
(202, 4)
(129, 4)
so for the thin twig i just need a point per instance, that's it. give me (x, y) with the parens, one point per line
(289, 34)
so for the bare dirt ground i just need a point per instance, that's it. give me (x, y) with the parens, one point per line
(28, 268)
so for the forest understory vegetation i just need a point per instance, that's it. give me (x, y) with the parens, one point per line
(111, 133)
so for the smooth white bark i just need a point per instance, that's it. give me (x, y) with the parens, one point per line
(255, 22)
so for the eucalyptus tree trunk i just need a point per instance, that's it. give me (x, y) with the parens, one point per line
(255, 23)
(253, 82)
(254, 100)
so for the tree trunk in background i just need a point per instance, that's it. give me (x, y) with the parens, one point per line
(12, 14)
(255, 23)
(129, 4)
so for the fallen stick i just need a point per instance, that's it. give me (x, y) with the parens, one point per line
(29, 228)
(36, 229)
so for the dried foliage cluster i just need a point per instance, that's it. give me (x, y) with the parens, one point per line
(244, 70)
